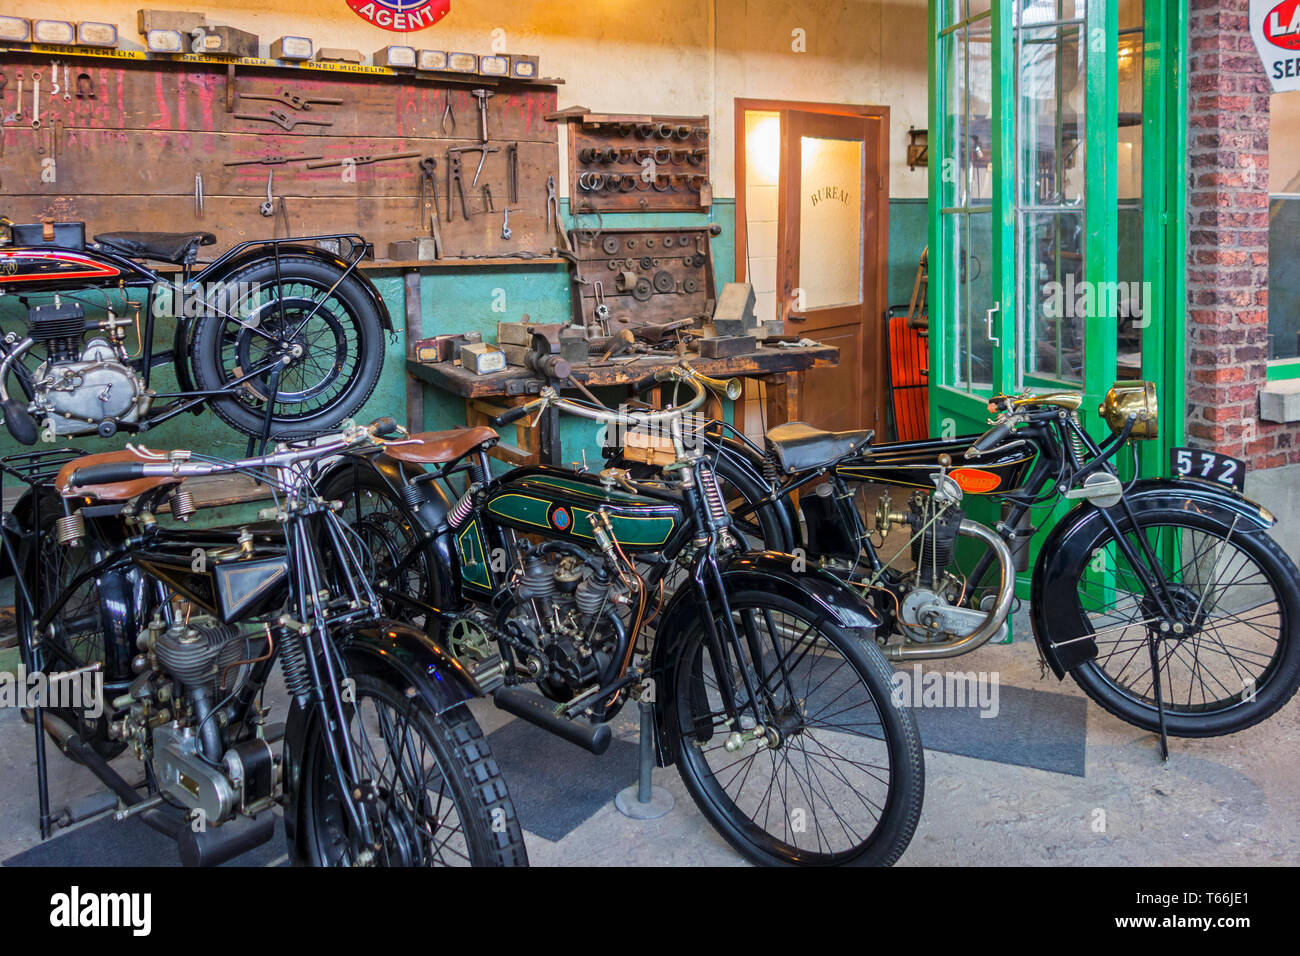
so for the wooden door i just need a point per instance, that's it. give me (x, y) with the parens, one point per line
(830, 260)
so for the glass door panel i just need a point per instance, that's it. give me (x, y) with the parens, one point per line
(830, 221)
(1051, 177)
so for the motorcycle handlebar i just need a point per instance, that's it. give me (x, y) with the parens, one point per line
(106, 474)
(514, 414)
(990, 439)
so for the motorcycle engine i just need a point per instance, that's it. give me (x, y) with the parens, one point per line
(929, 593)
(82, 383)
(187, 671)
(563, 619)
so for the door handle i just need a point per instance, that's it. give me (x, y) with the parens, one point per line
(988, 324)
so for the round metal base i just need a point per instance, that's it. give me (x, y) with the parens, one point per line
(661, 801)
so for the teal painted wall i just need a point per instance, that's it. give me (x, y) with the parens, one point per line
(466, 300)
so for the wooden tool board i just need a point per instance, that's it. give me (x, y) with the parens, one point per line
(127, 158)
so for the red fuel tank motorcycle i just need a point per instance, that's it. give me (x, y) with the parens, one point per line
(284, 338)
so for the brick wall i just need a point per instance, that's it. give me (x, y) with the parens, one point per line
(1227, 242)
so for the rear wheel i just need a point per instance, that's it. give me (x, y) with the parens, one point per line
(837, 776)
(328, 331)
(75, 636)
(440, 797)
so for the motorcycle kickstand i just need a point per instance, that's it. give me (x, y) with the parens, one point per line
(1160, 697)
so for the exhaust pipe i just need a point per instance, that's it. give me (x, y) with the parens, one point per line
(537, 710)
(992, 624)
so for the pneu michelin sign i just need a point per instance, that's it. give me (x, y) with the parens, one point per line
(401, 16)
(1275, 28)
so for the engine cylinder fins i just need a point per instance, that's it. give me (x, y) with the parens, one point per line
(538, 579)
(591, 594)
(62, 321)
(189, 652)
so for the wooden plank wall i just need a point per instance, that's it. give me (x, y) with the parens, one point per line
(127, 158)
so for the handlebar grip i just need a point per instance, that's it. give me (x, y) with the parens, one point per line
(645, 382)
(382, 427)
(990, 439)
(106, 474)
(512, 414)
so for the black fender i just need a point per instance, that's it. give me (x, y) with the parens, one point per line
(392, 651)
(813, 589)
(222, 269)
(1066, 549)
(749, 464)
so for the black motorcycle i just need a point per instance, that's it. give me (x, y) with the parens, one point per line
(284, 338)
(767, 688)
(1165, 599)
(378, 761)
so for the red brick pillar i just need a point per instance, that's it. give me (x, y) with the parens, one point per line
(1227, 242)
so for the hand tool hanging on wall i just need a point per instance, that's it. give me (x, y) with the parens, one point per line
(67, 89)
(361, 160)
(293, 100)
(482, 96)
(483, 155)
(448, 114)
(454, 181)
(506, 231)
(36, 100)
(17, 115)
(198, 195)
(431, 214)
(512, 171)
(283, 119)
(276, 160)
(487, 198)
(85, 86)
(268, 206)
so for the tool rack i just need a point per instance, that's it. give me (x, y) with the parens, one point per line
(141, 141)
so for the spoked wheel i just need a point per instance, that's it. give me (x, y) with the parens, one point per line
(436, 790)
(385, 535)
(1228, 657)
(325, 334)
(75, 637)
(836, 775)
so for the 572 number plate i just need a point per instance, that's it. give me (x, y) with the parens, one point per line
(1208, 466)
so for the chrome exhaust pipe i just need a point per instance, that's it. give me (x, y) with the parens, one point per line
(997, 617)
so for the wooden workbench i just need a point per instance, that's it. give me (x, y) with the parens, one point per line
(489, 395)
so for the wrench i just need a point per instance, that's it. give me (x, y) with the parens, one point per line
(36, 100)
(67, 89)
(506, 233)
(17, 115)
(54, 72)
(268, 208)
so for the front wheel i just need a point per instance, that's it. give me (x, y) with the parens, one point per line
(439, 794)
(1229, 659)
(837, 774)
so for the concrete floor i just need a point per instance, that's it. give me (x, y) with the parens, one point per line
(1225, 801)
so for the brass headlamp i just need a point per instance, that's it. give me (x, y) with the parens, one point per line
(1132, 400)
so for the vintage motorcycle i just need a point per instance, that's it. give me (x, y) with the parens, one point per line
(378, 761)
(768, 690)
(284, 338)
(1165, 599)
